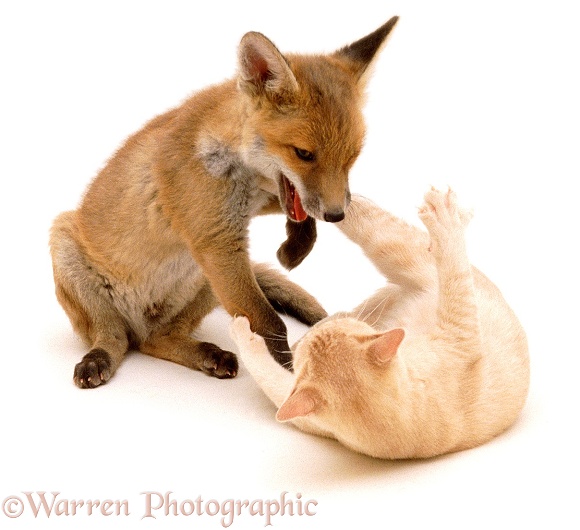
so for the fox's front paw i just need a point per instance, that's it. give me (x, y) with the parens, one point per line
(94, 369)
(442, 216)
(218, 363)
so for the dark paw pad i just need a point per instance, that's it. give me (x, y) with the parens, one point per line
(93, 370)
(217, 362)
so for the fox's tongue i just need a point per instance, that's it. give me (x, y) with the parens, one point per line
(293, 202)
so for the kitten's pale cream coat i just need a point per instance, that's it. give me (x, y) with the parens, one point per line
(434, 362)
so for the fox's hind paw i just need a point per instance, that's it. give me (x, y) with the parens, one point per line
(93, 370)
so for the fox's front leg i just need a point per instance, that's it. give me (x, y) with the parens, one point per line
(233, 281)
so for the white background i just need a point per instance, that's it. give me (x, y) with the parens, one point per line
(482, 96)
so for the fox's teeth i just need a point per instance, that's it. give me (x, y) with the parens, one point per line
(292, 202)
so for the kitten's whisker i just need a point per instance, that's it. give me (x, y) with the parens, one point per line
(380, 314)
(362, 310)
(368, 316)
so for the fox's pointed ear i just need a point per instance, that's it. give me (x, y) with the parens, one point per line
(362, 53)
(300, 403)
(262, 68)
(383, 348)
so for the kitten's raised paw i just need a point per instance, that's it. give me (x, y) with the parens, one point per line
(440, 212)
(94, 369)
(444, 220)
(217, 362)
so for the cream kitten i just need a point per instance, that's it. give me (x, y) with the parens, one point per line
(434, 362)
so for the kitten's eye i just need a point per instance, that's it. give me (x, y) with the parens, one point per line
(303, 154)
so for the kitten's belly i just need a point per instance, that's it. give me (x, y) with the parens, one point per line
(415, 313)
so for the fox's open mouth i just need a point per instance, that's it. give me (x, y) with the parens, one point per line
(291, 200)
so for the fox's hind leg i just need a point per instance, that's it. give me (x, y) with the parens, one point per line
(83, 294)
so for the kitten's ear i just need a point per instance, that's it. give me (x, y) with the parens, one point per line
(362, 53)
(300, 403)
(385, 346)
(262, 68)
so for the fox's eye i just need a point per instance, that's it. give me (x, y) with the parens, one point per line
(303, 154)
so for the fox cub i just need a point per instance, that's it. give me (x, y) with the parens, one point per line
(161, 235)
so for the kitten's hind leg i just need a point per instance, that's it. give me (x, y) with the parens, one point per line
(457, 310)
(446, 223)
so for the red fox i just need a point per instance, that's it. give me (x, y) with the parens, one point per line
(161, 235)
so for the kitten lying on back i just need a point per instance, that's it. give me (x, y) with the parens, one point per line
(434, 362)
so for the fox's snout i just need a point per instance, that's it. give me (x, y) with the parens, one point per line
(331, 209)
(335, 213)
(334, 201)
(334, 216)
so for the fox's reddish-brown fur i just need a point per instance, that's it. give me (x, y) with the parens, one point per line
(160, 237)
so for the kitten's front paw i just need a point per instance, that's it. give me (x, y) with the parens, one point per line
(240, 331)
(248, 342)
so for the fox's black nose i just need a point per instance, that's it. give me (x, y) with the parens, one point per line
(334, 216)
